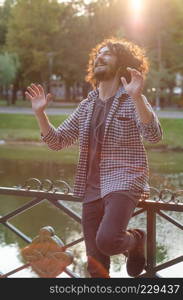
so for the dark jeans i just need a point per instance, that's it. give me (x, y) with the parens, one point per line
(104, 224)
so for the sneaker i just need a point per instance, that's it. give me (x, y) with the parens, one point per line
(136, 260)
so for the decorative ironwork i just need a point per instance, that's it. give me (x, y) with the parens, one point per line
(163, 193)
(40, 185)
(54, 186)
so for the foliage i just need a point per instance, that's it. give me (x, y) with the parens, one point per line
(4, 17)
(31, 33)
(56, 38)
(9, 64)
(164, 40)
(52, 46)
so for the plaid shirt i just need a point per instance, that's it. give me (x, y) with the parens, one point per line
(123, 164)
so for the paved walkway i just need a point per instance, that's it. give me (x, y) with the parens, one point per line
(63, 111)
(28, 111)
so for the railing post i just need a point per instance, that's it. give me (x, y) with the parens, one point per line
(151, 241)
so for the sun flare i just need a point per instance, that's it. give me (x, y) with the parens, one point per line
(136, 5)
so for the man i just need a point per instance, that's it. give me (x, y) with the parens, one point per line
(112, 172)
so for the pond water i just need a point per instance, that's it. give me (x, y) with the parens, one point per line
(20, 162)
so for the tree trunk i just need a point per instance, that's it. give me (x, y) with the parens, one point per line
(67, 92)
(14, 90)
(86, 88)
(14, 95)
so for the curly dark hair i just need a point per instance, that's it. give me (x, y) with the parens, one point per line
(128, 55)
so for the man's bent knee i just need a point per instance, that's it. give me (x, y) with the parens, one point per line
(111, 245)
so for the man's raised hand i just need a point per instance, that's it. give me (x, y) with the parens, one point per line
(35, 93)
(135, 86)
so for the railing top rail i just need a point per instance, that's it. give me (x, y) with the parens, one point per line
(160, 202)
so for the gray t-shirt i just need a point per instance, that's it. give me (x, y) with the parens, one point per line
(97, 126)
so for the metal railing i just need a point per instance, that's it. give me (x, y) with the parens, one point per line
(50, 191)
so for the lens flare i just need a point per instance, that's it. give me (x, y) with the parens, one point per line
(136, 6)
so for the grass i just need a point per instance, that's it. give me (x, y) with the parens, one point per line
(18, 127)
(169, 162)
(172, 133)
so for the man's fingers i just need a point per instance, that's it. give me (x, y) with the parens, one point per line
(49, 97)
(41, 90)
(28, 96)
(32, 92)
(137, 73)
(134, 72)
(124, 82)
(35, 88)
(129, 69)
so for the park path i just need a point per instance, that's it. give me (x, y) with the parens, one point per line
(63, 111)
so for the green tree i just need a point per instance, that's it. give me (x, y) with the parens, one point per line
(9, 65)
(49, 37)
(163, 38)
(32, 34)
(5, 10)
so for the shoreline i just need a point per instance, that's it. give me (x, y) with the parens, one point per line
(161, 148)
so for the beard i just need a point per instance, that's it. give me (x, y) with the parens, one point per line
(104, 73)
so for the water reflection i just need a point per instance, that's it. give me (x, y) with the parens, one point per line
(165, 171)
